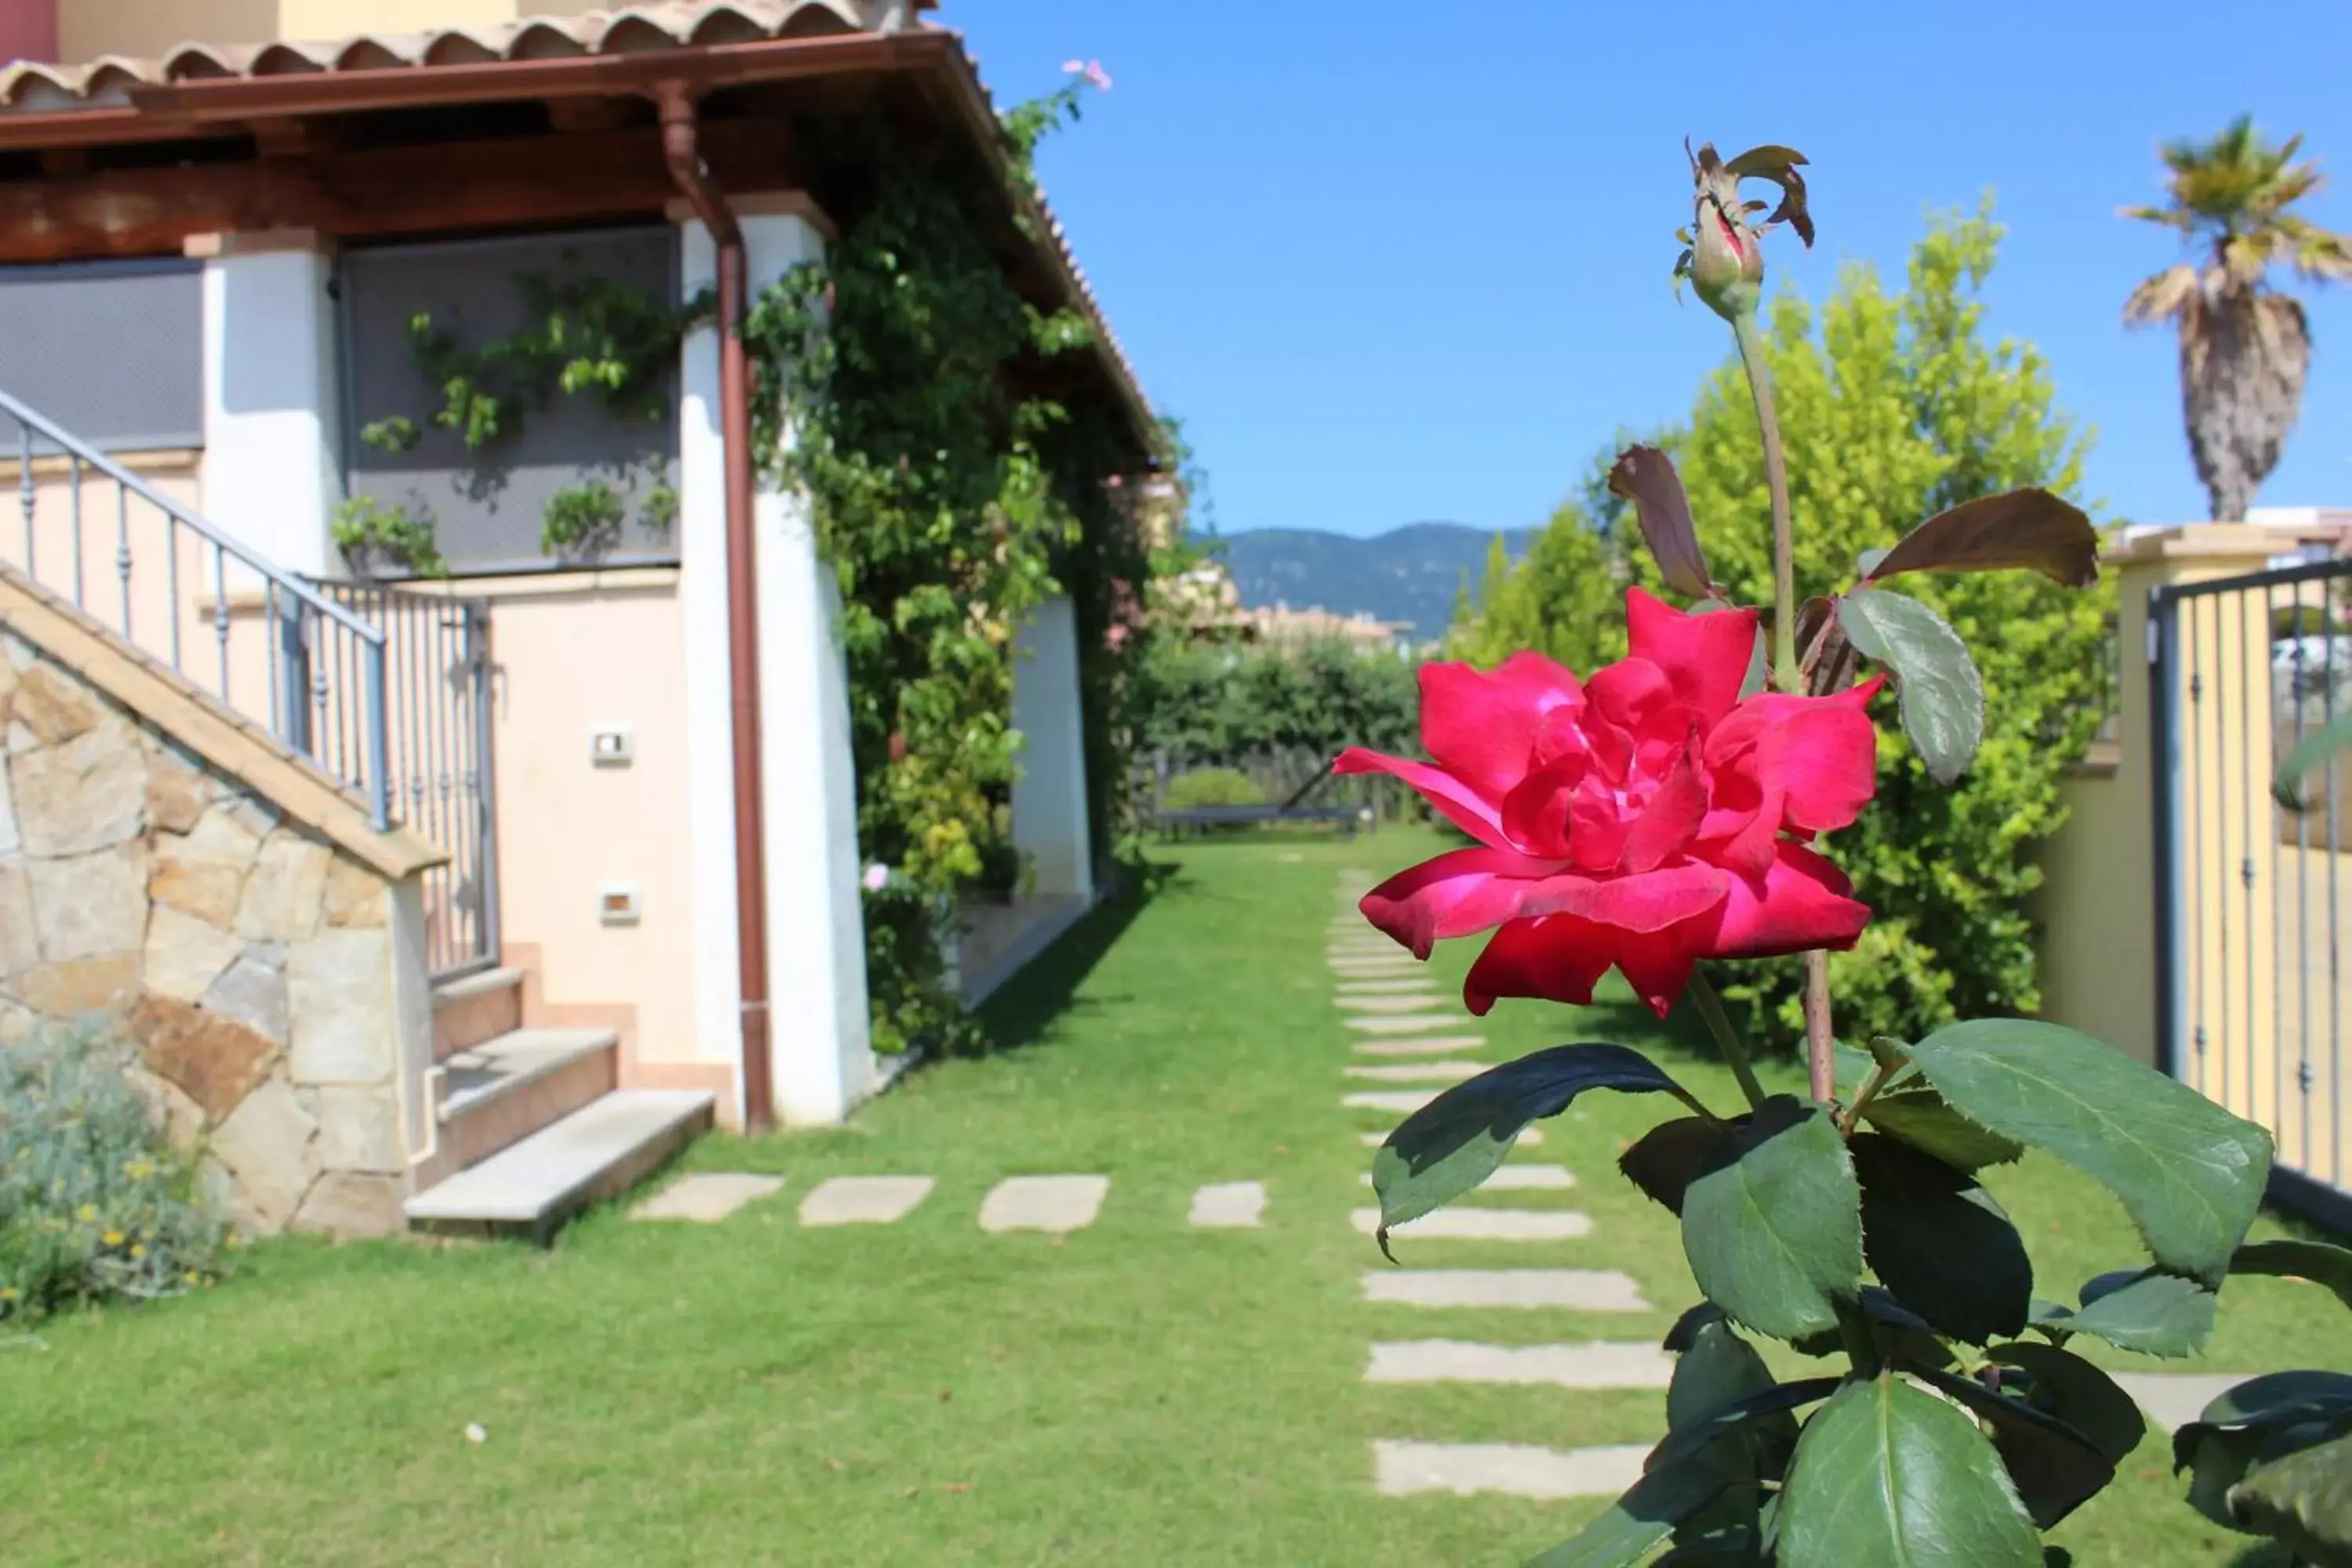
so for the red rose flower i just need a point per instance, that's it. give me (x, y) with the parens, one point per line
(1646, 819)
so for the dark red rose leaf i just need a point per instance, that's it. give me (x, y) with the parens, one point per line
(1646, 477)
(2027, 530)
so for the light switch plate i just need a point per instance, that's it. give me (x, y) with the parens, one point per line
(617, 904)
(612, 748)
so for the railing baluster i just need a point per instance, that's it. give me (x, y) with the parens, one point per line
(172, 576)
(220, 615)
(279, 725)
(26, 497)
(122, 553)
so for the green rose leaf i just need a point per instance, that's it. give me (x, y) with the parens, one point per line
(1630, 1528)
(1646, 477)
(2304, 1500)
(1888, 1473)
(1455, 1141)
(2150, 1311)
(2189, 1173)
(2321, 1262)
(2028, 529)
(2260, 1420)
(2314, 753)
(2281, 1397)
(1943, 698)
(1663, 1161)
(2055, 1468)
(1772, 1223)
(1938, 1241)
(2070, 1388)
(1920, 1118)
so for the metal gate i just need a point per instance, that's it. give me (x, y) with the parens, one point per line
(437, 653)
(2253, 900)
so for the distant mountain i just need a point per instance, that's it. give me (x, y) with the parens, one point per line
(1409, 574)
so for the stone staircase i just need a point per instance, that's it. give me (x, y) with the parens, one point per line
(531, 1123)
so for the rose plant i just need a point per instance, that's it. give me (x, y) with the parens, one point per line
(1664, 815)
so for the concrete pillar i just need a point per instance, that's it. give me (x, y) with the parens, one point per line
(823, 1061)
(1050, 824)
(273, 468)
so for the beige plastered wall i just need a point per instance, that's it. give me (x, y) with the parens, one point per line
(572, 654)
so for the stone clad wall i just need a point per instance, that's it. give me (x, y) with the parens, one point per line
(250, 962)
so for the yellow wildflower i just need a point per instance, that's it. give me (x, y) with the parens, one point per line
(112, 1239)
(87, 1214)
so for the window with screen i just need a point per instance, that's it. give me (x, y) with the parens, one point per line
(112, 351)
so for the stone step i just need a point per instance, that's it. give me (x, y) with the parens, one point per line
(494, 1095)
(1413, 1072)
(1401, 1102)
(476, 1007)
(1401, 1468)
(1228, 1206)
(596, 1151)
(1406, 1024)
(1481, 1225)
(2171, 1400)
(1594, 1364)
(1058, 1205)
(864, 1200)
(1530, 1138)
(1379, 986)
(1425, 1001)
(1573, 1290)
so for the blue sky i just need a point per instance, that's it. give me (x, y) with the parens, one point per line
(1395, 261)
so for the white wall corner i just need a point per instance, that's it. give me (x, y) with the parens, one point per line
(1050, 825)
(272, 467)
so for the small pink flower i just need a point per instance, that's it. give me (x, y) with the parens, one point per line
(1073, 67)
(1090, 69)
(878, 877)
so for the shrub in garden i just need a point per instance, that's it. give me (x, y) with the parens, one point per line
(1662, 816)
(1212, 786)
(95, 1204)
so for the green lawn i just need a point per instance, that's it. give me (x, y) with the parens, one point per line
(1138, 1392)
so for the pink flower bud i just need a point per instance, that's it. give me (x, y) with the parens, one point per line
(1725, 262)
(878, 877)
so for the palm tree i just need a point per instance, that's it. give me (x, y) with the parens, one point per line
(2245, 348)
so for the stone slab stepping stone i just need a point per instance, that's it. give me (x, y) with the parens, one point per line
(1056, 1204)
(706, 1198)
(1527, 1178)
(1228, 1206)
(1532, 1138)
(1482, 1225)
(864, 1200)
(1508, 1469)
(1408, 1024)
(1595, 1363)
(1403, 1101)
(1579, 1289)
(1357, 990)
(1413, 1072)
(1426, 1002)
(2174, 1399)
(1419, 1044)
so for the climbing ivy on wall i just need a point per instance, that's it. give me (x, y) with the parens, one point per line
(949, 501)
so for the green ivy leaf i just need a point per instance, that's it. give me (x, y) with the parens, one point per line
(2054, 1468)
(1455, 1141)
(2189, 1173)
(1886, 1473)
(2150, 1311)
(1920, 1118)
(2321, 1262)
(2070, 1388)
(1943, 697)
(1940, 1242)
(1772, 1224)
(1663, 1161)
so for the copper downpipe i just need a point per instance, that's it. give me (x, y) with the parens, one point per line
(681, 151)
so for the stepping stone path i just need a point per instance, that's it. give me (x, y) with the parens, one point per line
(1230, 1206)
(1412, 1072)
(1481, 1225)
(1415, 1045)
(1430, 1002)
(706, 1198)
(2174, 1399)
(1519, 1179)
(1357, 990)
(1579, 1289)
(1404, 1102)
(1056, 1204)
(864, 1200)
(1424, 1023)
(1513, 1470)
(1596, 1364)
(1531, 1139)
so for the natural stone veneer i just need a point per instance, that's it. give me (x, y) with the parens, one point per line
(247, 960)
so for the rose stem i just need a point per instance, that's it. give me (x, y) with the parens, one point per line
(1718, 1024)
(1817, 1033)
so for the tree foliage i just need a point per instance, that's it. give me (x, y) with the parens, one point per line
(1206, 700)
(1892, 407)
